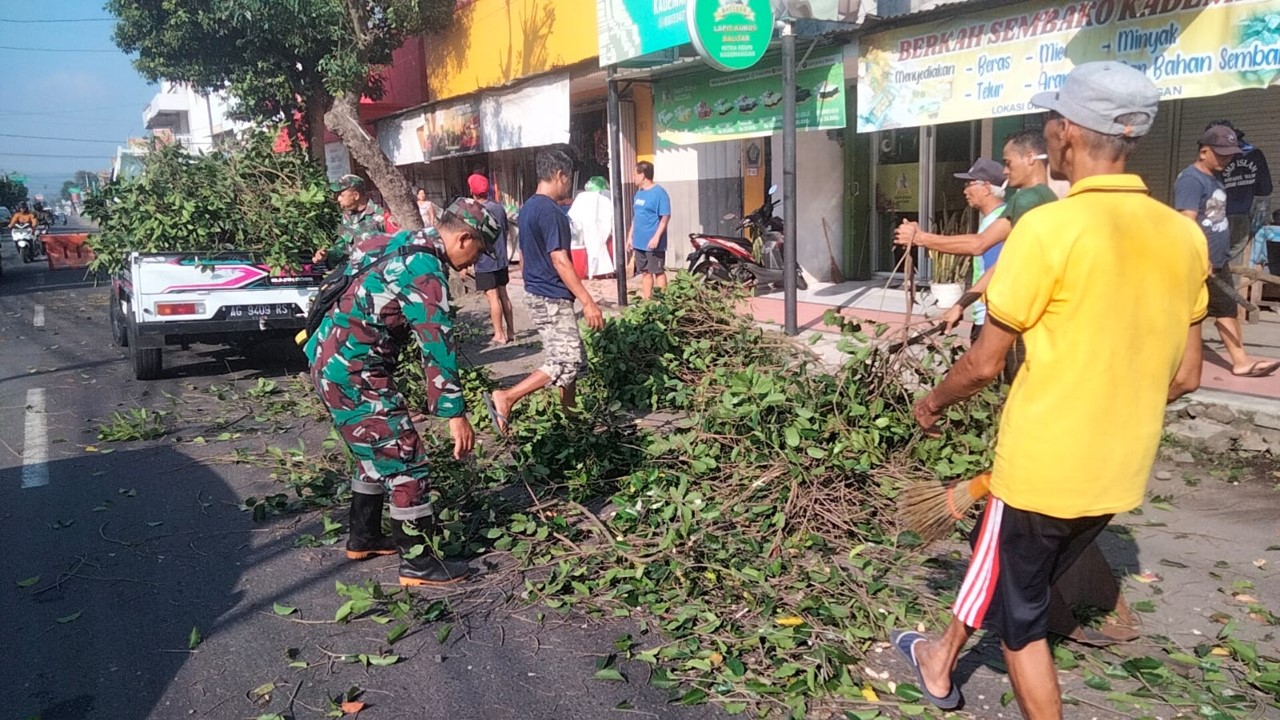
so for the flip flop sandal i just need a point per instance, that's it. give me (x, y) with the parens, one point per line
(1259, 369)
(499, 420)
(905, 641)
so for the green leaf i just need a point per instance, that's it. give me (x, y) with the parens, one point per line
(69, 618)
(383, 660)
(908, 692)
(396, 633)
(735, 666)
(283, 609)
(694, 697)
(1144, 606)
(443, 633)
(793, 437)
(610, 675)
(195, 638)
(344, 611)
(29, 581)
(1097, 682)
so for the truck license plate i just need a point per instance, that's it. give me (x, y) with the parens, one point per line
(273, 310)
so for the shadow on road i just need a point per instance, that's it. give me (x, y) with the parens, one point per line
(129, 552)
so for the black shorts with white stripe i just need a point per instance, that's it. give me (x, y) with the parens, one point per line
(1017, 556)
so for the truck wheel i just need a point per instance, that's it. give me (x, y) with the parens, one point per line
(148, 363)
(119, 330)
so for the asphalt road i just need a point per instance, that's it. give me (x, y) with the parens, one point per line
(116, 551)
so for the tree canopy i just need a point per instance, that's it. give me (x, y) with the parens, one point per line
(292, 61)
(11, 192)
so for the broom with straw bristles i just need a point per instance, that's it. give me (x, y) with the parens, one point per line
(931, 510)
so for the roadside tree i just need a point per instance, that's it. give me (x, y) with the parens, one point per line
(306, 63)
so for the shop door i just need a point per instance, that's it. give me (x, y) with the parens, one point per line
(896, 179)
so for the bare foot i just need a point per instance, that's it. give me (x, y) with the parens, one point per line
(936, 680)
(499, 340)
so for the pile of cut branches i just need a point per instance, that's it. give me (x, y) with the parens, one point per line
(246, 197)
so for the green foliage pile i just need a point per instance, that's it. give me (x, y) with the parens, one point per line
(246, 198)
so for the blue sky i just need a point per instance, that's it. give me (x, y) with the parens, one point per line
(65, 95)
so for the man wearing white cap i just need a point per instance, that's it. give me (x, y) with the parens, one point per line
(1107, 289)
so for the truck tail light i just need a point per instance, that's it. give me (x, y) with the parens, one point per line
(179, 308)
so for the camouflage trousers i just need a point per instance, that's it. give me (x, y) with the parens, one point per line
(374, 423)
(557, 325)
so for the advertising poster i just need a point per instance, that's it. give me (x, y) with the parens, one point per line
(451, 131)
(710, 105)
(989, 64)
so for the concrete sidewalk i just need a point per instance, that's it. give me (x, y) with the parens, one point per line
(877, 302)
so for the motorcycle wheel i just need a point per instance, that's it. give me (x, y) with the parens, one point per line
(26, 255)
(711, 271)
(801, 283)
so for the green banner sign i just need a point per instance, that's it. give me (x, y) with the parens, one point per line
(710, 106)
(730, 34)
(20, 179)
(628, 29)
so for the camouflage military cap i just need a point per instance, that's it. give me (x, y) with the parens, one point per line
(473, 213)
(347, 182)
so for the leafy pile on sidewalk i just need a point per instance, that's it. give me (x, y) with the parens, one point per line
(245, 197)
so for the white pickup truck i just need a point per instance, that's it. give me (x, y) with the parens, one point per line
(164, 299)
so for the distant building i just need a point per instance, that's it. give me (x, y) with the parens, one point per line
(199, 121)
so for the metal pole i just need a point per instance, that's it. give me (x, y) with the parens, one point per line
(789, 176)
(615, 188)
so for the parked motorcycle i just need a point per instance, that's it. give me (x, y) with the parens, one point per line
(753, 259)
(26, 239)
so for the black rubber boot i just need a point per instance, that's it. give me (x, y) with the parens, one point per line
(365, 538)
(427, 568)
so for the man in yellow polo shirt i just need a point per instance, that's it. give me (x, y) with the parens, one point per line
(1107, 289)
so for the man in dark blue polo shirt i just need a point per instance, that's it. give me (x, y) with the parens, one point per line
(551, 285)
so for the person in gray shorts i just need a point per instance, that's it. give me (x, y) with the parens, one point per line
(651, 212)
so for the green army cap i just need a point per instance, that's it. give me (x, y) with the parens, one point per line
(478, 218)
(347, 182)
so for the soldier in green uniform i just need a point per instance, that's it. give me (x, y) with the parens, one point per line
(361, 216)
(402, 297)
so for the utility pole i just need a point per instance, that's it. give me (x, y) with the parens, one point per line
(789, 175)
(615, 186)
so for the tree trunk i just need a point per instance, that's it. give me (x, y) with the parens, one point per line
(315, 110)
(344, 119)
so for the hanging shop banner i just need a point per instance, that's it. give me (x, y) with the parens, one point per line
(534, 115)
(628, 29)
(989, 64)
(711, 106)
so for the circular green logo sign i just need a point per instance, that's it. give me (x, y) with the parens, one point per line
(730, 34)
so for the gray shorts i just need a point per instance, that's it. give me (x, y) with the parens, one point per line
(557, 325)
(653, 262)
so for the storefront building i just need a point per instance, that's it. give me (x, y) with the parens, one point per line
(937, 89)
(505, 80)
(715, 137)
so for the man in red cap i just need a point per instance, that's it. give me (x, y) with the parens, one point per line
(491, 272)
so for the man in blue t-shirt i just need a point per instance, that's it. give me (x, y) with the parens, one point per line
(551, 285)
(648, 234)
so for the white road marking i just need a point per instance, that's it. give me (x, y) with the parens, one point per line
(38, 320)
(35, 444)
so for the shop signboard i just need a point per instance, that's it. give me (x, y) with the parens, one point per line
(730, 34)
(989, 64)
(628, 29)
(451, 131)
(709, 106)
(337, 160)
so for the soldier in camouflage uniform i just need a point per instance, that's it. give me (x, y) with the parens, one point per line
(353, 353)
(361, 217)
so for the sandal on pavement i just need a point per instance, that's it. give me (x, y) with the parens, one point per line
(906, 641)
(1259, 369)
